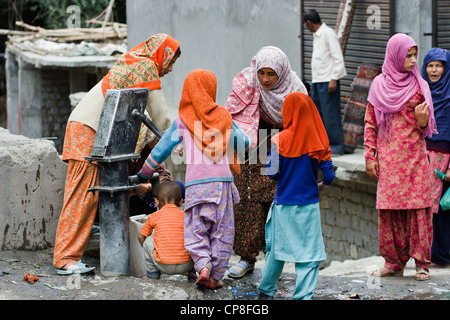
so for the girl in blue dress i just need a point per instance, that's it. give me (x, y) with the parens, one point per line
(293, 229)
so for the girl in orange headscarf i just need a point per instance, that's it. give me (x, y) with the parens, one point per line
(141, 67)
(206, 130)
(293, 231)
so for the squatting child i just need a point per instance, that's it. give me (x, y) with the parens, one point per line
(162, 235)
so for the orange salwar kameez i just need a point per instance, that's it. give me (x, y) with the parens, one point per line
(80, 206)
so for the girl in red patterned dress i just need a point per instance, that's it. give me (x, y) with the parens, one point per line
(398, 118)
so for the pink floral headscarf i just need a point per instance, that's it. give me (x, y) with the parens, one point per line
(271, 101)
(248, 101)
(394, 87)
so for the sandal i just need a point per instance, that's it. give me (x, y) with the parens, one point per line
(241, 269)
(422, 274)
(389, 273)
(203, 278)
(80, 267)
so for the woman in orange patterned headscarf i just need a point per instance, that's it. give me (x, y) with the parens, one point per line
(141, 67)
(144, 65)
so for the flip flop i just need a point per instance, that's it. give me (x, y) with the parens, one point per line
(80, 267)
(240, 269)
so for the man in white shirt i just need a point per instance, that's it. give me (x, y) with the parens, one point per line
(327, 68)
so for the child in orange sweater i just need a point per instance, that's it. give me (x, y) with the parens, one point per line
(162, 235)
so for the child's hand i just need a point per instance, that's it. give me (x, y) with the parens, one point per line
(179, 150)
(422, 113)
(321, 188)
(143, 188)
(141, 239)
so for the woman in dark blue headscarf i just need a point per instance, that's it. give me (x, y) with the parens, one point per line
(436, 71)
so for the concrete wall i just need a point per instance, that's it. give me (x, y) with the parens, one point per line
(222, 36)
(40, 107)
(32, 179)
(414, 17)
(12, 99)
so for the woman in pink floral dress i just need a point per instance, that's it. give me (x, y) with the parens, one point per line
(399, 116)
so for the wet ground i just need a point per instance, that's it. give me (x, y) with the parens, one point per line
(96, 295)
(347, 280)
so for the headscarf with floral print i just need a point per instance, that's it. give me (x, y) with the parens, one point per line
(249, 101)
(142, 66)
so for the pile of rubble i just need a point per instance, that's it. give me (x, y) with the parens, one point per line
(109, 39)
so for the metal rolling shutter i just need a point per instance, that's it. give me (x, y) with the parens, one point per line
(443, 24)
(328, 11)
(365, 46)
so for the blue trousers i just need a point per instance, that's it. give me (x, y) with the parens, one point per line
(305, 284)
(329, 107)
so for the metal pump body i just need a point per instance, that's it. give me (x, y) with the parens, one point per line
(115, 142)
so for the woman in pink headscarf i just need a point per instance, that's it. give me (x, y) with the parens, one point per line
(398, 117)
(255, 105)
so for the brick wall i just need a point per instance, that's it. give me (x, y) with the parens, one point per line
(349, 220)
(56, 106)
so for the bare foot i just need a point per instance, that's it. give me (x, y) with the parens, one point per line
(386, 272)
(68, 264)
(422, 274)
